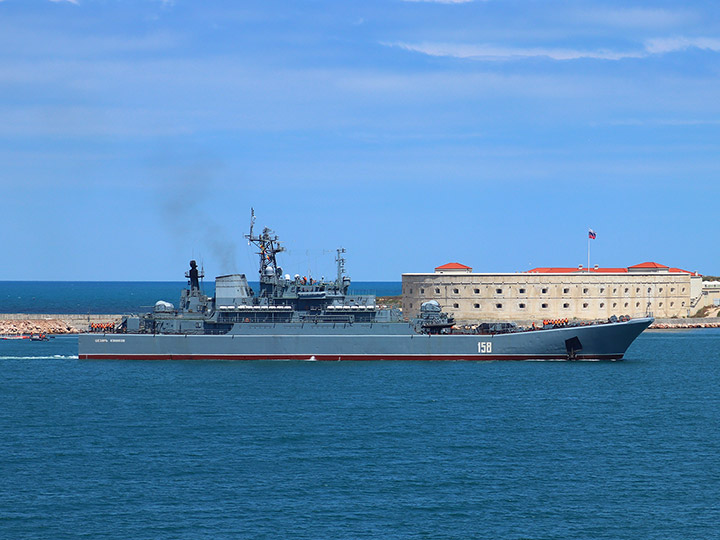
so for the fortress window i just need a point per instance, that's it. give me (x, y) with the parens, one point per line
(672, 289)
(614, 291)
(602, 304)
(410, 291)
(660, 304)
(456, 306)
(410, 305)
(649, 289)
(437, 291)
(476, 306)
(499, 306)
(477, 291)
(683, 304)
(498, 291)
(672, 304)
(637, 290)
(566, 290)
(585, 305)
(522, 291)
(602, 290)
(521, 306)
(627, 290)
(455, 291)
(544, 291)
(626, 304)
(585, 290)
(544, 306)
(683, 289)
(661, 289)
(614, 304)
(637, 304)
(566, 305)
(422, 291)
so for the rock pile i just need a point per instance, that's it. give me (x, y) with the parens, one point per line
(35, 326)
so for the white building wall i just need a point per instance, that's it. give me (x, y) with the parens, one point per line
(524, 296)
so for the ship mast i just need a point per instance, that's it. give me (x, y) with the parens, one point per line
(269, 246)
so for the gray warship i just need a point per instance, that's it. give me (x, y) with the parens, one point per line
(296, 318)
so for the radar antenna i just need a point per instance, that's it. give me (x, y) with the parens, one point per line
(252, 222)
(340, 266)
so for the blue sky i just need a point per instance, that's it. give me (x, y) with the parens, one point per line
(138, 134)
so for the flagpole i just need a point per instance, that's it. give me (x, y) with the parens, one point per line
(588, 253)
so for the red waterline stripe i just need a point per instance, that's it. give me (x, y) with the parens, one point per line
(343, 357)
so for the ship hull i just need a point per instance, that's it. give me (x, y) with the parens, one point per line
(393, 341)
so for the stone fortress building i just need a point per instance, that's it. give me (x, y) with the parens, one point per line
(558, 293)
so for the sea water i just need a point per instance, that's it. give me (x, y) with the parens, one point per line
(118, 297)
(308, 450)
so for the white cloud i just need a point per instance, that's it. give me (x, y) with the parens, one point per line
(488, 52)
(441, 1)
(666, 45)
(492, 52)
(68, 1)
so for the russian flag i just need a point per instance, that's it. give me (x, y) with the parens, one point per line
(591, 234)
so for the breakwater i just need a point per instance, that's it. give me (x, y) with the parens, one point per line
(26, 323)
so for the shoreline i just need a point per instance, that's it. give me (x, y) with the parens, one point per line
(58, 324)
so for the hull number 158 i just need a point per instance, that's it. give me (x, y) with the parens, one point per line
(484, 347)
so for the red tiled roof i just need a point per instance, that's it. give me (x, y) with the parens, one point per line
(681, 271)
(649, 265)
(453, 266)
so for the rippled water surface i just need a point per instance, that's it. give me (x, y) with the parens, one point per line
(540, 450)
